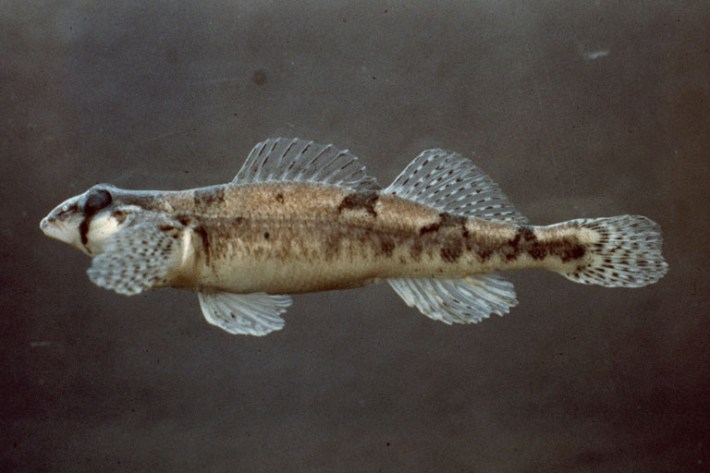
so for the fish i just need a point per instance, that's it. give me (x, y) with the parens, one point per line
(304, 217)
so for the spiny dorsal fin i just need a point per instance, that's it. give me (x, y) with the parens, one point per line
(458, 301)
(294, 159)
(137, 258)
(246, 314)
(451, 183)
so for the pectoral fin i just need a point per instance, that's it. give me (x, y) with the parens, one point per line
(248, 314)
(137, 258)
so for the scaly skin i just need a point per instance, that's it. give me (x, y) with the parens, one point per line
(293, 237)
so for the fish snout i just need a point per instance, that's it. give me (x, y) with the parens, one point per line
(54, 227)
(46, 223)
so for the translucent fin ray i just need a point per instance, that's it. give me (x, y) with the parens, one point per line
(626, 251)
(458, 301)
(137, 258)
(246, 314)
(294, 159)
(451, 183)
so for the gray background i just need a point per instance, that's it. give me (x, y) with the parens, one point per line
(577, 108)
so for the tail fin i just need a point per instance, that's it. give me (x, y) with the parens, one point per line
(625, 252)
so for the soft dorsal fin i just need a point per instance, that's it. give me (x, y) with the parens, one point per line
(457, 301)
(451, 183)
(294, 159)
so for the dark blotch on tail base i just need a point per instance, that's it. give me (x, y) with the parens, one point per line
(567, 249)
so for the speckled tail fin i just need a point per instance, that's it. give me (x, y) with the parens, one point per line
(625, 251)
(451, 183)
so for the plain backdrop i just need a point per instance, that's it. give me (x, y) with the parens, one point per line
(576, 108)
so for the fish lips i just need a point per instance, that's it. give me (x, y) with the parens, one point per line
(57, 229)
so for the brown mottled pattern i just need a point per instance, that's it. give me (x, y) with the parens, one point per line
(119, 215)
(360, 201)
(208, 197)
(295, 237)
(526, 241)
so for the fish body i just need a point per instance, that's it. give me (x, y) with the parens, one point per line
(303, 217)
(287, 238)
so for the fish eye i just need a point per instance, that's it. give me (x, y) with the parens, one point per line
(96, 200)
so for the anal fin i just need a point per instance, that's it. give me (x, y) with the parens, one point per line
(458, 301)
(247, 314)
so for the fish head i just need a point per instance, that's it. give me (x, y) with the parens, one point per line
(87, 220)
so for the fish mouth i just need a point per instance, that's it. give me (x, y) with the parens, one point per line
(44, 223)
(52, 228)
